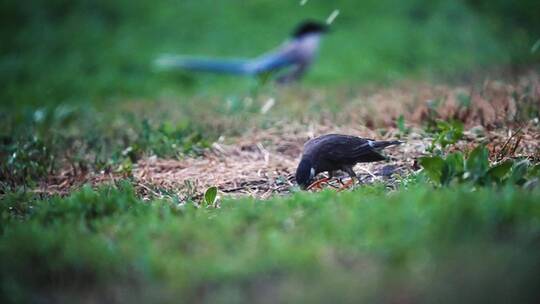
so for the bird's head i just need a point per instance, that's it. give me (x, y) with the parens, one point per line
(305, 173)
(309, 27)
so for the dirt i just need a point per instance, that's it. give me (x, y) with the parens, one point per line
(261, 162)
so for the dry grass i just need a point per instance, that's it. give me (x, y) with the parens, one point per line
(261, 161)
(262, 164)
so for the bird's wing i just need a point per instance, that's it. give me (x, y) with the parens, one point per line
(280, 58)
(296, 73)
(336, 139)
(348, 149)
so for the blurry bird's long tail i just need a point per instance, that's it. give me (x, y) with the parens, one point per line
(381, 144)
(171, 62)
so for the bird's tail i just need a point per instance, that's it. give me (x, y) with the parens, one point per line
(381, 144)
(173, 62)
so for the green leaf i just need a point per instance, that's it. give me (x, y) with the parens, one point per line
(448, 133)
(519, 170)
(433, 166)
(535, 171)
(453, 166)
(478, 162)
(499, 171)
(210, 195)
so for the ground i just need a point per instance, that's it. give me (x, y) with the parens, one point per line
(141, 227)
(261, 162)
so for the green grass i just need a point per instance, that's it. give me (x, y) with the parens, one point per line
(38, 142)
(425, 245)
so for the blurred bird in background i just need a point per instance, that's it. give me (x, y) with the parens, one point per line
(296, 54)
(333, 152)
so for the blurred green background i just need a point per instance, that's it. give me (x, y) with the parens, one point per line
(57, 51)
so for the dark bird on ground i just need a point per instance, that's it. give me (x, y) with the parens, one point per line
(333, 152)
(297, 54)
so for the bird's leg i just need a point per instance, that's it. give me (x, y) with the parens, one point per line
(348, 184)
(351, 182)
(331, 175)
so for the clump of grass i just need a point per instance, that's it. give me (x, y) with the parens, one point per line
(24, 161)
(476, 169)
(38, 143)
(165, 140)
(445, 134)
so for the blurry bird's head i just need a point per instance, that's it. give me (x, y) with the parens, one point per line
(309, 27)
(305, 173)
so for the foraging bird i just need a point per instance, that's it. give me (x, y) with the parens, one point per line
(333, 152)
(297, 54)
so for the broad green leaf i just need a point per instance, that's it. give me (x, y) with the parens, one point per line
(478, 162)
(453, 166)
(519, 170)
(499, 171)
(456, 161)
(433, 166)
(535, 171)
(210, 195)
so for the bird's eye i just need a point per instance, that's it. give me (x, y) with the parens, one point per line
(312, 173)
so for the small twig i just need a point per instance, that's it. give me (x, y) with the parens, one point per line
(514, 148)
(333, 186)
(264, 152)
(233, 189)
(150, 190)
(368, 172)
(500, 155)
